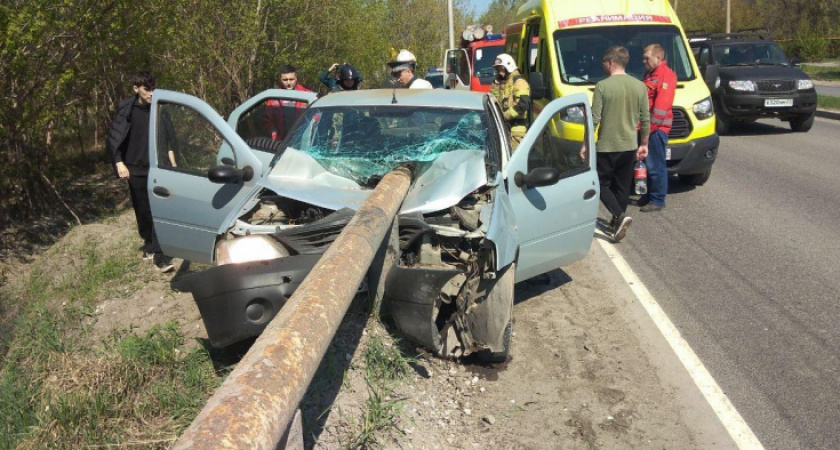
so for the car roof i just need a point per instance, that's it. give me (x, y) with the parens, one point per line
(404, 97)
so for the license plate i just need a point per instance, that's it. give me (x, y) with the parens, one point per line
(778, 102)
(667, 153)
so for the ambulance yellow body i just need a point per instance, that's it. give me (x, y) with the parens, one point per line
(559, 44)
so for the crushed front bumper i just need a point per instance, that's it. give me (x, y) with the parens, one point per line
(237, 301)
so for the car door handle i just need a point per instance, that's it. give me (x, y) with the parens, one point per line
(161, 191)
(589, 194)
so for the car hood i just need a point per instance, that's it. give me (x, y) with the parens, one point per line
(755, 73)
(438, 184)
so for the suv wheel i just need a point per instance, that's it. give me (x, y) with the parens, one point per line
(801, 124)
(696, 179)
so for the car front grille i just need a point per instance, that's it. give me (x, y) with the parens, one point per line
(681, 126)
(775, 86)
(315, 238)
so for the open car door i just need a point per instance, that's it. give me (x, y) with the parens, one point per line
(458, 69)
(265, 119)
(553, 190)
(200, 172)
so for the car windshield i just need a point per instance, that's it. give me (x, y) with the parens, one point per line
(749, 54)
(364, 143)
(580, 50)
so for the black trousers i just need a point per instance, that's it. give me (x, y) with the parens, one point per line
(137, 187)
(615, 175)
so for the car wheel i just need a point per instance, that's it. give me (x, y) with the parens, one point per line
(722, 123)
(801, 124)
(502, 294)
(265, 144)
(696, 179)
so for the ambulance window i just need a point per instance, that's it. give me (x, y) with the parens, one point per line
(533, 45)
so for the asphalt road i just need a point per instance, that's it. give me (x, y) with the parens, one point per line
(831, 91)
(748, 269)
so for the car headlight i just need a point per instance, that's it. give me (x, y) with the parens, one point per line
(574, 114)
(804, 85)
(255, 247)
(704, 108)
(742, 85)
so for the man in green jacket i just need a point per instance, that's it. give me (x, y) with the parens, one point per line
(619, 111)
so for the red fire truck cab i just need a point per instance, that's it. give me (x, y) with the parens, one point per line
(470, 67)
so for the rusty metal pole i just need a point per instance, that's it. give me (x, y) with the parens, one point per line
(259, 398)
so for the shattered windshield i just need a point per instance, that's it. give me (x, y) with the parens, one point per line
(364, 143)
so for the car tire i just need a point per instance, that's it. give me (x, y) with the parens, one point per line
(723, 124)
(696, 179)
(503, 287)
(802, 124)
(265, 144)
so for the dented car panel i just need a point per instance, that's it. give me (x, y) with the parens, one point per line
(466, 229)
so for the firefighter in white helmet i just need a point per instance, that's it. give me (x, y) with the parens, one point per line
(403, 68)
(514, 96)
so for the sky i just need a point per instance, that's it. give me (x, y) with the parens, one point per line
(479, 6)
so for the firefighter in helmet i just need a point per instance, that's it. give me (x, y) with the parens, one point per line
(514, 96)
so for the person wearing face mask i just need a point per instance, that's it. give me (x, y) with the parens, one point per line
(514, 96)
(403, 69)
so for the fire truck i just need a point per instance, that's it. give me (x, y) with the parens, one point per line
(470, 67)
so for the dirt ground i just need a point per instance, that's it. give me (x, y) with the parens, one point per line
(587, 370)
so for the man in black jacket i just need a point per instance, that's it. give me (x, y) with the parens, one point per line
(128, 145)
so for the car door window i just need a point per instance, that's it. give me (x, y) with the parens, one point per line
(561, 141)
(271, 119)
(703, 57)
(187, 142)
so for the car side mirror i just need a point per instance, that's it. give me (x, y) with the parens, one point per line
(538, 90)
(539, 177)
(711, 75)
(796, 61)
(230, 175)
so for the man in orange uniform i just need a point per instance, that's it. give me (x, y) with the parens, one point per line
(661, 83)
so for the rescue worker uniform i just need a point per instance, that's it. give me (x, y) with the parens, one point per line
(514, 96)
(661, 84)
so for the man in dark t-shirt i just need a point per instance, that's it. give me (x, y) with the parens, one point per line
(128, 144)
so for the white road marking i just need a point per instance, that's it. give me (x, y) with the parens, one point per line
(726, 412)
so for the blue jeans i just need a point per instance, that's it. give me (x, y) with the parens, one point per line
(656, 168)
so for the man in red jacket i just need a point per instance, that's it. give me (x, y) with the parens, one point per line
(661, 83)
(282, 114)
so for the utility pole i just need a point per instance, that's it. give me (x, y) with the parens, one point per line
(728, 17)
(676, 4)
(452, 24)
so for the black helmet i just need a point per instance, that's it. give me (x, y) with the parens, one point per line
(348, 72)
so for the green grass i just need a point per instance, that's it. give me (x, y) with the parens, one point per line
(62, 387)
(822, 73)
(826, 102)
(386, 367)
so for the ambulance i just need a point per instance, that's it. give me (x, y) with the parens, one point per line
(558, 46)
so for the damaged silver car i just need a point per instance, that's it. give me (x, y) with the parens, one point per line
(263, 195)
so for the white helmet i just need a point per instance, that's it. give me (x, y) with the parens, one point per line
(404, 60)
(506, 61)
